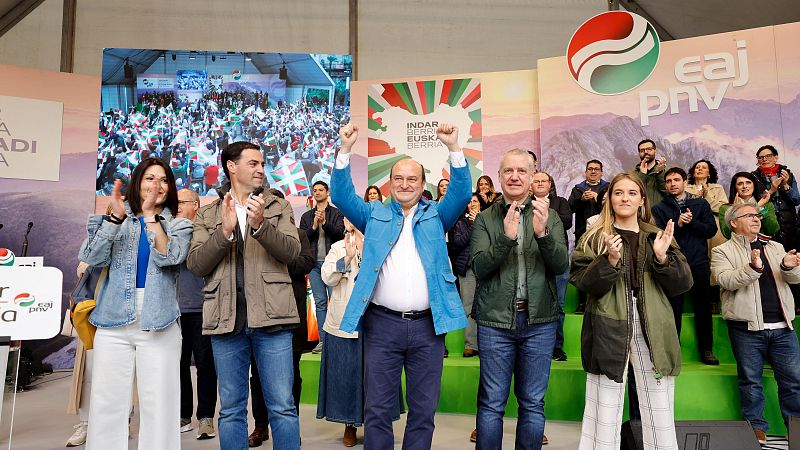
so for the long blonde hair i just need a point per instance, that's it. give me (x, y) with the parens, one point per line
(593, 239)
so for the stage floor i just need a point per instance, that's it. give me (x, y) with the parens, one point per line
(41, 424)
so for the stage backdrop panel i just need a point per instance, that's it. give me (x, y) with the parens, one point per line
(58, 209)
(397, 119)
(715, 97)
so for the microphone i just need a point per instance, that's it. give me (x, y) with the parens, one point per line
(25, 242)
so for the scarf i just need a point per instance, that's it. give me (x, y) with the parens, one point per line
(771, 172)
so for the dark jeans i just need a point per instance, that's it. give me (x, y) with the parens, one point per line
(701, 295)
(321, 293)
(390, 344)
(524, 352)
(195, 342)
(260, 414)
(780, 348)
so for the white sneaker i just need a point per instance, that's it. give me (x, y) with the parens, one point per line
(79, 435)
(205, 428)
(318, 348)
(186, 425)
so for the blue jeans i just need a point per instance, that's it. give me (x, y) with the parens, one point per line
(273, 354)
(524, 352)
(751, 349)
(561, 292)
(321, 293)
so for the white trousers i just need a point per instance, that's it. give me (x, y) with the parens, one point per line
(605, 398)
(154, 358)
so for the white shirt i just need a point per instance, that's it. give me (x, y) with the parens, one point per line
(402, 285)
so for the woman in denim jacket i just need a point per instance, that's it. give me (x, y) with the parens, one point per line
(137, 334)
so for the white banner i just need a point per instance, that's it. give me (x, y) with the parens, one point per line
(30, 138)
(30, 302)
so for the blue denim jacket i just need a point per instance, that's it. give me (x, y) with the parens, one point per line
(383, 223)
(116, 246)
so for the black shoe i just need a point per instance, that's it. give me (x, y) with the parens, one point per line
(559, 355)
(708, 358)
(446, 353)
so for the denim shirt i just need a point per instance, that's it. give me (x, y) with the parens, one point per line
(381, 225)
(116, 247)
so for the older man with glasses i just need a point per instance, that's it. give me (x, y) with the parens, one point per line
(754, 276)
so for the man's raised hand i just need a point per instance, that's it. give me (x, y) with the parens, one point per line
(448, 135)
(348, 135)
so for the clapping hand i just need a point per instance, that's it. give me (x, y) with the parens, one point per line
(228, 215)
(541, 211)
(117, 204)
(663, 241)
(511, 221)
(614, 248)
(791, 259)
(755, 259)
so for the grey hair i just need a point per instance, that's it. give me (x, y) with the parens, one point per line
(518, 152)
(193, 194)
(733, 211)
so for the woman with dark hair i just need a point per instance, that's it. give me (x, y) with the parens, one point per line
(484, 189)
(745, 188)
(441, 188)
(703, 183)
(373, 193)
(137, 310)
(629, 269)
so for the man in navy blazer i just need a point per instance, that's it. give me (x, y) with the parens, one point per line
(405, 297)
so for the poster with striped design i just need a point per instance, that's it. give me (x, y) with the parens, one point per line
(402, 122)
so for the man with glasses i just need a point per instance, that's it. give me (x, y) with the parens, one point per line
(787, 197)
(190, 301)
(754, 276)
(651, 171)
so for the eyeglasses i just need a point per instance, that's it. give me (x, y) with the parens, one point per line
(594, 169)
(183, 202)
(763, 157)
(749, 216)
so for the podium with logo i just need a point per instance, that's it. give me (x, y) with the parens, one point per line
(30, 308)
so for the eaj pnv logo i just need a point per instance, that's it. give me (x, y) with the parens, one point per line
(24, 299)
(613, 52)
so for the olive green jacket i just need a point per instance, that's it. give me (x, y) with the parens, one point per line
(494, 261)
(608, 324)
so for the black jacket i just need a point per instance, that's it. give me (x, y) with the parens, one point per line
(561, 207)
(298, 269)
(458, 239)
(784, 207)
(333, 227)
(585, 209)
(692, 237)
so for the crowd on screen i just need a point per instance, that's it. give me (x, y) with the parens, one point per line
(390, 278)
(191, 137)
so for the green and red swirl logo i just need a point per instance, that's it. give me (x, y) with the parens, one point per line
(24, 299)
(613, 52)
(6, 257)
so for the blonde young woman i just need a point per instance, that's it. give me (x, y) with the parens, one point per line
(628, 269)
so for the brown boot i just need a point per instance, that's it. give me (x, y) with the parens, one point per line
(545, 441)
(258, 436)
(349, 438)
(474, 436)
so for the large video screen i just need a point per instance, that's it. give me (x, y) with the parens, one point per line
(186, 106)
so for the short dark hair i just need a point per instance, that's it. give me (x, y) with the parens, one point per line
(712, 171)
(533, 155)
(324, 184)
(758, 190)
(768, 147)
(133, 195)
(594, 161)
(677, 170)
(233, 152)
(644, 141)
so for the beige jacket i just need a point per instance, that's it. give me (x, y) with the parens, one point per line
(741, 296)
(267, 286)
(342, 284)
